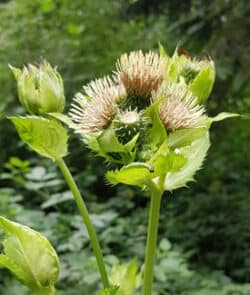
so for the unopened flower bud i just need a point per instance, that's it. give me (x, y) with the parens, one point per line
(40, 88)
(197, 74)
(128, 124)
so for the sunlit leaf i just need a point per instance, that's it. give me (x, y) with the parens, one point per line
(195, 155)
(64, 119)
(164, 161)
(29, 256)
(108, 146)
(223, 116)
(126, 276)
(135, 174)
(157, 133)
(183, 137)
(110, 291)
(108, 141)
(47, 137)
(56, 199)
(202, 85)
(162, 51)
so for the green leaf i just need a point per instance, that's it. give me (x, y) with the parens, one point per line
(47, 137)
(110, 291)
(91, 140)
(29, 256)
(126, 277)
(203, 84)
(129, 146)
(139, 173)
(64, 119)
(165, 245)
(223, 116)
(56, 199)
(162, 51)
(195, 154)
(107, 145)
(172, 163)
(164, 161)
(134, 174)
(183, 137)
(16, 72)
(198, 75)
(109, 142)
(47, 6)
(157, 133)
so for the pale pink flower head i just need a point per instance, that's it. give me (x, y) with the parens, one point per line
(141, 73)
(179, 108)
(94, 111)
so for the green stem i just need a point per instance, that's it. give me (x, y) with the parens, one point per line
(154, 213)
(46, 292)
(85, 216)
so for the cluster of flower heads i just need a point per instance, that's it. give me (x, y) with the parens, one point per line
(139, 81)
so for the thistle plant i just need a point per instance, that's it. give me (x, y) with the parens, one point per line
(41, 91)
(147, 119)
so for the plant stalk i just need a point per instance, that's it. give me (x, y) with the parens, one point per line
(85, 216)
(46, 291)
(154, 213)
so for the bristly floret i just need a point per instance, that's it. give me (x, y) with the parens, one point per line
(141, 74)
(128, 124)
(105, 88)
(179, 108)
(94, 112)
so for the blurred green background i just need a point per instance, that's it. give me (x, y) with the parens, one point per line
(204, 237)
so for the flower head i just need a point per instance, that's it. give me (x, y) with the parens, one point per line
(40, 88)
(141, 73)
(179, 109)
(128, 124)
(95, 111)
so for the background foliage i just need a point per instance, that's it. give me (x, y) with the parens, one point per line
(208, 224)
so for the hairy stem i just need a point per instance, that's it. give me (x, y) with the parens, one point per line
(85, 216)
(154, 213)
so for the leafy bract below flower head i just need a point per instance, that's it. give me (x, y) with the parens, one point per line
(197, 74)
(95, 111)
(179, 108)
(29, 256)
(40, 88)
(141, 74)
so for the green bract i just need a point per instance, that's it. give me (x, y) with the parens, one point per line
(110, 291)
(45, 136)
(194, 153)
(40, 89)
(108, 146)
(29, 256)
(126, 276)
(197, 74)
